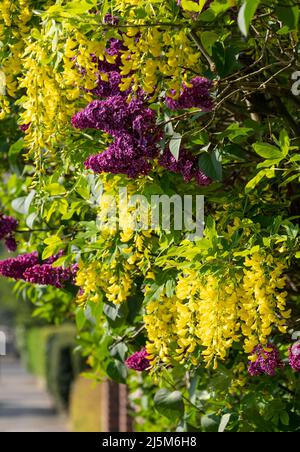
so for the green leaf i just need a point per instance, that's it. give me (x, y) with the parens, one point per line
(297, 255)
(117, 371)
(239, 134)
(210, 423)
(211, 165)
(269, 173)
(55, 244)
(267, 151)
(208, 39)
(73, 7)
(225, 58)
(285, 418)
(22, 205)
(116, 314)
(30, 220)
(284, 142)
(14, 154)
(55, 189)
(169, 404)
(119, 351)
(289, 16)
(224, 422)
(246, 14)
(191, 6)
(220, 6)
(175, 144)
(80, 318)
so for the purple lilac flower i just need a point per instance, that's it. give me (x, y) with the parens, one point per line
(294, 357)
(25, 127)
(132, 124)
(109, 88)
(139, 361)
(186, 165)
(16, 267)
(124, 156)
(111, 20)
(116, 116)
(8, 225)
(197, 96)
(267, 361)
(47, 275)
(11, 243)
(54, 258)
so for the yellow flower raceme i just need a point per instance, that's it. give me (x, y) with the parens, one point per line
(212, 311)
(263, 303)
(160, 321)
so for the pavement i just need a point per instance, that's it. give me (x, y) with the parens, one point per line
(24, 406)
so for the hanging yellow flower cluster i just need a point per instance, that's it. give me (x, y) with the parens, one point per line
(263, 302)
(157, 60)
(14, 18)
(160, 321)
(115, 275)
(52, 88)
(161, 57)
(210, 312)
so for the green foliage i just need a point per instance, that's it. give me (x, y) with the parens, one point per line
(248, 145)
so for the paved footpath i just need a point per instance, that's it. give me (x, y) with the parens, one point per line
(24, 407)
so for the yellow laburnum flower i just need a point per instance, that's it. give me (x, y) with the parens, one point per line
(263, 305)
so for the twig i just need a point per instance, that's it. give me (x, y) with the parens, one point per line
(198, 43)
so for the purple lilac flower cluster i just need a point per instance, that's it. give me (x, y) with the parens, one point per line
(139, 361)
(133, 124)
(16, 267)
(267, 361)
(186, 165)
(133, 127)
(28, 268)
(8, 226)
(198, 96)
(294, 357)
(46, 275)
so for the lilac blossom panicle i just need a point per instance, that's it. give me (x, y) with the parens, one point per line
(294, 357)
(11, 244)
(132, 124)
(186, 165)
(139, 361)
(8, 226)
(267, 361)
(196, 96)
(16, 267)
(47, 275)
(111, 20)
(28, 268)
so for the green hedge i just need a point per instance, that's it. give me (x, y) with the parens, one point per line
(50, 354)
(63, 364)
